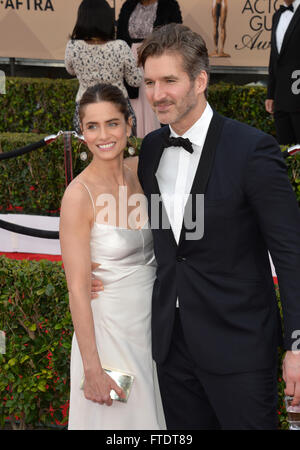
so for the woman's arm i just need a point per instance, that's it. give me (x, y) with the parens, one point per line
(69, 58)
(122, 24)
(75, 223)
(132, 73)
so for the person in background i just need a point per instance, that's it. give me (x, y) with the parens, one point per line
(283, 96)
(94, 56)
(137, 19)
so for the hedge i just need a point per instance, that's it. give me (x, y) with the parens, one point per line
(41, 105)
(243, 103)
(34, 371)
(37, 105)
(34, 314)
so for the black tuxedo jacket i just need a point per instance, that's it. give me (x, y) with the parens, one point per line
(224, 282)
(283, 64)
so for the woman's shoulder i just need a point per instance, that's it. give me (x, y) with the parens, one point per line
(76, 193)
(74, 42)
(120, 43)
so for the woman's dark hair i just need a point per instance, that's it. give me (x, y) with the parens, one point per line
(95, 19)
(104, 93)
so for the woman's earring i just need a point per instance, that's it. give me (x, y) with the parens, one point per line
(82, 155)
(132, 147)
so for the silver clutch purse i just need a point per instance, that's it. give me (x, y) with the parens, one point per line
(123, 379)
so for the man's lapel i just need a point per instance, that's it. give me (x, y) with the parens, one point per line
(274, 42)
(165, 132)
(205, 164)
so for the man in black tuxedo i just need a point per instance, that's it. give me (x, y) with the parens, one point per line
(215, 320)
(283, 97)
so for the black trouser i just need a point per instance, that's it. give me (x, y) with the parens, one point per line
(195, 399)
(287, 126)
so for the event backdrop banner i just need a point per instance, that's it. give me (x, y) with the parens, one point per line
(237, 32)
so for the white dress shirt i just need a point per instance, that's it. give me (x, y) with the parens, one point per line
(177, 168)
(283, 24)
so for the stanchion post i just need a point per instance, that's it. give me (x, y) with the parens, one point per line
(68, 156)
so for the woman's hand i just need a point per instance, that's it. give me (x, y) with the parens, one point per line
(97, 387)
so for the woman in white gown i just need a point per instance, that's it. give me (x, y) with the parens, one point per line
(99, 228)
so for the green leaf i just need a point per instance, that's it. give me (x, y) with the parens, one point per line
(12, 362)
(42, 387)
(40, 291)
(49, 290)
(25, 358)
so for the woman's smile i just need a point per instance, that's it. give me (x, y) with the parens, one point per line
(106, 147)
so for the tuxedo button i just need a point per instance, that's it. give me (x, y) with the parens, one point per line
(180, 259)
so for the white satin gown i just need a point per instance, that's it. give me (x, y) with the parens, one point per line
(122, 319)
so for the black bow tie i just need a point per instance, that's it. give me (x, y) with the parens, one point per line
(282, 8)
(179, 142)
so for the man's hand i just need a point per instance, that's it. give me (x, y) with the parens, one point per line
(97, 285)
(269, 105)
(291, 375)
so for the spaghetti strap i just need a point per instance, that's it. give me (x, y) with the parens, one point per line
(125, 165)
(91, 197)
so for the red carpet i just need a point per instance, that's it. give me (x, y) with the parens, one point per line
(31, 256)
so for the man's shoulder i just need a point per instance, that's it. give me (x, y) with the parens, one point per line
(156, 135)
(237, 129)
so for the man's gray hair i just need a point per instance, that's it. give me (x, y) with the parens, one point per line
(177, 38)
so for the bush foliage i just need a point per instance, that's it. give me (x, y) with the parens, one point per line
(37, 105)
(34, 314)
(45, 106)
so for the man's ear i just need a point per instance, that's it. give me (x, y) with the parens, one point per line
(201, 82)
